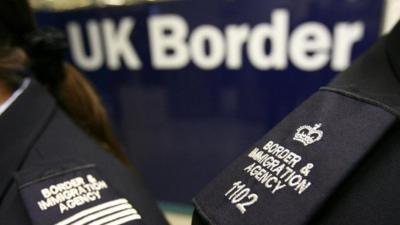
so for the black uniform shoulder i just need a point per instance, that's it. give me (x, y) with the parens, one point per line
(61, 172)
(63, 140)
(375, 76)
(333, 160)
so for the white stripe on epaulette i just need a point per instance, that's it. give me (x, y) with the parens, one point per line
(98, 211)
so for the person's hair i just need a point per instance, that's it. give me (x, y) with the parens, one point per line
(79, 99)
(42, 54)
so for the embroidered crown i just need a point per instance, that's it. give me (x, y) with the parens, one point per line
(308, 135)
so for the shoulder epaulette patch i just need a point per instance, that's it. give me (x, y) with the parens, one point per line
(73, 195)
(288, 175)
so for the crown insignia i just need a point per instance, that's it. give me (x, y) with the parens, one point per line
(308, 135)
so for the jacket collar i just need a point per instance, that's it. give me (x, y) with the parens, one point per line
(375, 76)
(20, 126)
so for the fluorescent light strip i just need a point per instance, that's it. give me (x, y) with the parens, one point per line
(92, 210)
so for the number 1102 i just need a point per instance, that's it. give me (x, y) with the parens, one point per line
(241, 196)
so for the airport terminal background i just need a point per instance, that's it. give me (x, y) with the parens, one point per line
(192, 84)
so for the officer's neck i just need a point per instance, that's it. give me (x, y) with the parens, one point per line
(5, 92)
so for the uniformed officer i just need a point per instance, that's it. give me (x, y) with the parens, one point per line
(53, 167)
(334, 160)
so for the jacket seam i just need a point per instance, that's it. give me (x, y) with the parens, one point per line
(363, 99)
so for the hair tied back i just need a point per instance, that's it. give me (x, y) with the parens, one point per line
(47, 42)
(45, 48)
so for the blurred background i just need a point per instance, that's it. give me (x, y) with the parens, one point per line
(190, 85)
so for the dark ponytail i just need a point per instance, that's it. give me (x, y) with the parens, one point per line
(45, 49)
(79, 99)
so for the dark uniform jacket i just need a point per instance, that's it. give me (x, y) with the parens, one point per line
(51, 172)
(335, 160)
